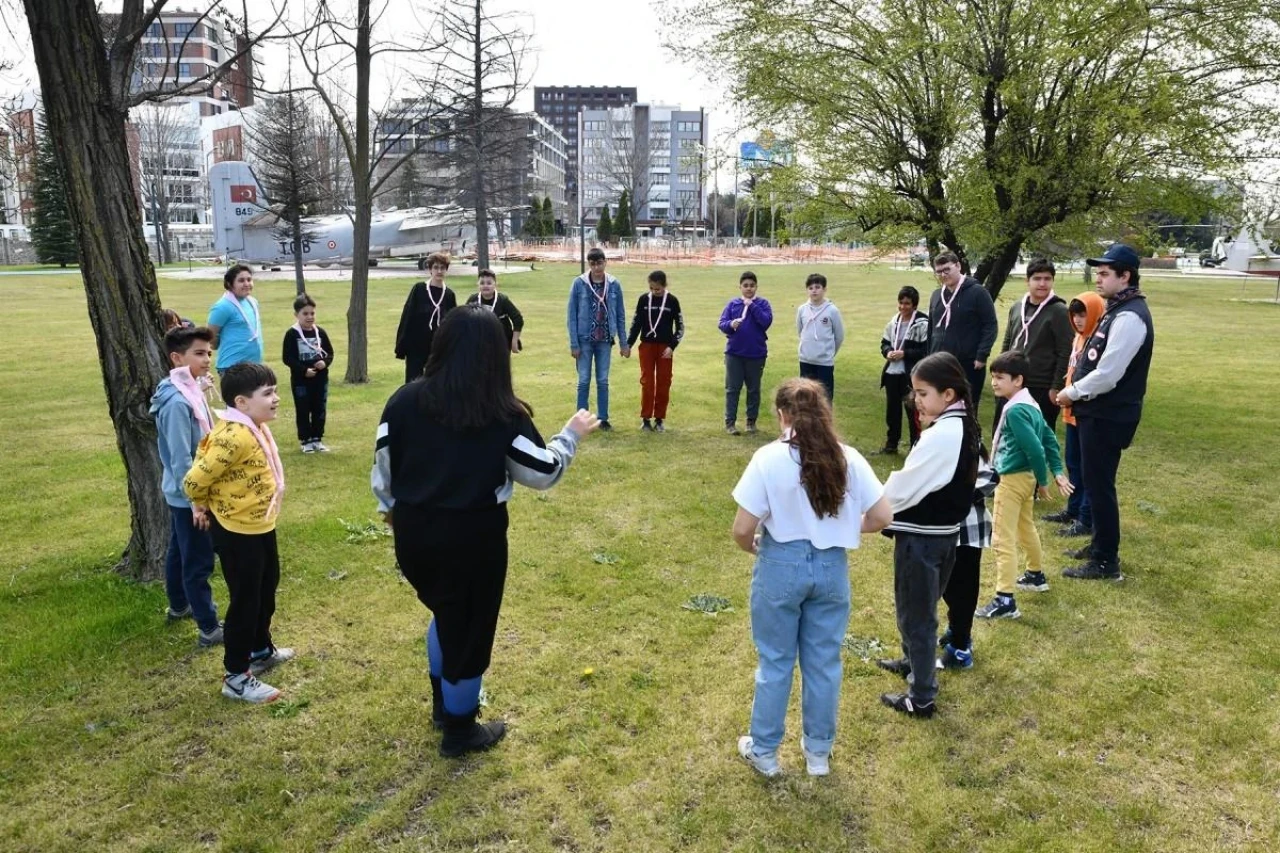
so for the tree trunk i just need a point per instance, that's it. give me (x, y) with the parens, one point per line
(119, 280)
(996, 265)
(299, 281)
(358, 307)
(477, 141)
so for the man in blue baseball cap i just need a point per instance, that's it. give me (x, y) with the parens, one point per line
(1106, 393)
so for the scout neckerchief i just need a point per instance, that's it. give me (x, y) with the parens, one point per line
(192, 390)
(946, 303)
(746, 303)
(601, 295)
(1022, 398)
(493, 309)
(267, 442)
(314, 347)
(653, 326)
(1024, 334)
(813, 315)
(900, 339)
(434, 320)
(255, 329)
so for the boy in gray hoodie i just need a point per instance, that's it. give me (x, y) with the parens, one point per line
(183, 418)
(821, 333)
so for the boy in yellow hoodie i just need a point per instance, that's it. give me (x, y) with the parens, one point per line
(237, 475)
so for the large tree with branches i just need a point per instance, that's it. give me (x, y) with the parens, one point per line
(87, 68)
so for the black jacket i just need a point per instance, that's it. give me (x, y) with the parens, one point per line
(972, 331)
(1048, 344)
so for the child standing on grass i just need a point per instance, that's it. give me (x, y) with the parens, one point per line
(308, 355)
(183, 418)
(930, 497)
(745, 321)
(659, 326)
(961, 591)
(1025, 452)
(238, 476)
(821, 331)
(811, 497)
(500, 305)
(905, 341)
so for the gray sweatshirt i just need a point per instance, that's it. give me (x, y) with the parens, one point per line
(821, 331)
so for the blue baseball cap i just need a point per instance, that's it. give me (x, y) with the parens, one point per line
(1117, 255)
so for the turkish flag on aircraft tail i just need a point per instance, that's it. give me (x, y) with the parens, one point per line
(241, 193)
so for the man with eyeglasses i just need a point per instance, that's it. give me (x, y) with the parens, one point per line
(963, 319)
(597, 317)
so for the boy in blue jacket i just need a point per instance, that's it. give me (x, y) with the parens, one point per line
(1025, 453)
(597, 317)
(183, 418)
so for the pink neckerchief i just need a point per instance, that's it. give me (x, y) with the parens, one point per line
(653, 326)
(813, 315)
(1022, 398)
(192, 390)
(946, 303)
(255, 331)
(1024, 334)
(316, 348)
(268, 444)
(746, 303)
(434, 320)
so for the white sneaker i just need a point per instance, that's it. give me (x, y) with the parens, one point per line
(766, 764)
(277, 657)
(308, 447)
(318, 447)
(817, 765)
(248, 689)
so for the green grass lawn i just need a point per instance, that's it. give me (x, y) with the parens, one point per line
(1139, 716)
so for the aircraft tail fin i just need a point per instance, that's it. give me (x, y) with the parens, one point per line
(237, 197)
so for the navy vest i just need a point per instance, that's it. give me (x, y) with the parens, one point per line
(1124, 402)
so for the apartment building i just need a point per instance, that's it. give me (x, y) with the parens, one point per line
(560, 105)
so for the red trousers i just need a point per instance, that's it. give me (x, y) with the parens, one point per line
(655, 380)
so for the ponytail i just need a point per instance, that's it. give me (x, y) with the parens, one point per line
(942, 371)
(824, 471)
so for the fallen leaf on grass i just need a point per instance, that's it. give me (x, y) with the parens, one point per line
(704, 603)
(864, 648)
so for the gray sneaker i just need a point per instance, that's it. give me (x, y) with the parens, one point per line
(212, 638)
(271, 661)
(818, 764)
(766, 764)
(176, 615)
(247, 688)
(319, 447)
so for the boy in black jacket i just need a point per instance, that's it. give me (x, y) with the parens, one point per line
(964, 321)
(659, 325)
(905, 341)
(501, 305)
(1040, 326)
(308, 354)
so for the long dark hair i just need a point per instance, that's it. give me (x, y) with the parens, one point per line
(942, 371)
(824, 471)
(467, 381)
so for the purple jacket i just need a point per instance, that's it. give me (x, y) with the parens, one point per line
(750, 339)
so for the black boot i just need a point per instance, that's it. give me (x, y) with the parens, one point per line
(437, 703)
(462, 734)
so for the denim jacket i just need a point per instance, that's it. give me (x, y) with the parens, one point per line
(582, 307)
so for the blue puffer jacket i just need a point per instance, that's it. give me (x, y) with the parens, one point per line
(582, 308)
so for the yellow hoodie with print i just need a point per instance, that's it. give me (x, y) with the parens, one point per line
(231, 477)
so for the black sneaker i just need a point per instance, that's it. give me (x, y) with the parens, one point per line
(1033, 582)
(1079, 553)
(731, 428)
(1059, 517)
(1095, 570)
(605, 426)
(898, 666)
(645, 426)
(904, 704)
(658, 426)
(945, 639)
(1075, 528)
(1001, 607)
(751, 428)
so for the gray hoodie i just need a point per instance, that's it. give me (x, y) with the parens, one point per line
(178, 433)
(821, 331)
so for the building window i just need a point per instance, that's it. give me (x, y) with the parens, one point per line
(689, 126)
(155, 49)
(184, 69)
(688, 178)
(182, 29)
(156, 30)
(214, 55)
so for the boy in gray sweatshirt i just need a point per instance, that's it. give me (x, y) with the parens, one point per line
(821, 331)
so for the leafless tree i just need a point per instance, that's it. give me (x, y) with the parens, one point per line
(169, 168)
(628, 159)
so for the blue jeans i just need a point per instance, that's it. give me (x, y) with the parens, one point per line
(601, 352)
(187, 569)
(799, 605)
(1078, 504)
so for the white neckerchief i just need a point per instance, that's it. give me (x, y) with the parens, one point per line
(603, 295)
(266, 441)
(1022, 398)
(1024, 334)
(493, 309)
(900, 339)
(314, 347)
(946, 303)
(434, 320)
(653, 326)
(255, 330)
(746, 303)
(813, 315)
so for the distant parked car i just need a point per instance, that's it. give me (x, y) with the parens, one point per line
(1207, 259)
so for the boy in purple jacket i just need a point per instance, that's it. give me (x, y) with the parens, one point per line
(745, 320)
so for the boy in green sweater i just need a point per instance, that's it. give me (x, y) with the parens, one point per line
(1025, 453)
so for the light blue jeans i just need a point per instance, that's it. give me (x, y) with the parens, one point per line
(799, 606)
(601, 352)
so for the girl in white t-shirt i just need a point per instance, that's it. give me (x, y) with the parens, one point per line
(810, 497)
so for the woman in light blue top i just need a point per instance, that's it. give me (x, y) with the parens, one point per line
(236, 321)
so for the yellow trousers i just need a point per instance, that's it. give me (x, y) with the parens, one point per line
(1014, 528)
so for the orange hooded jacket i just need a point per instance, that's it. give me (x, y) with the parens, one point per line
(1094, 307)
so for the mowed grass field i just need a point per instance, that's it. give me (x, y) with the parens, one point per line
(1132, 717)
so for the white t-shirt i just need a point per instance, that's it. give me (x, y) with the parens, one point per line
(770, 490)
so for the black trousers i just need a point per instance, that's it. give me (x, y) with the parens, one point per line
(414, 364)
(251, 566)
(961, 595)
(897, 387)
(977, 381)
(310, 403)
(824, 373)
(921, 569)
(1047, 408)
(1101, 443)
(456, 561)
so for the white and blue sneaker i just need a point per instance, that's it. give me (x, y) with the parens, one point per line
(247, 688)
(1001, 607)
(953, 658)
(1033, 582)
(767, 764)
(817, 763)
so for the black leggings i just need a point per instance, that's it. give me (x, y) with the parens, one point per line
(961, 595)
(251, 566)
